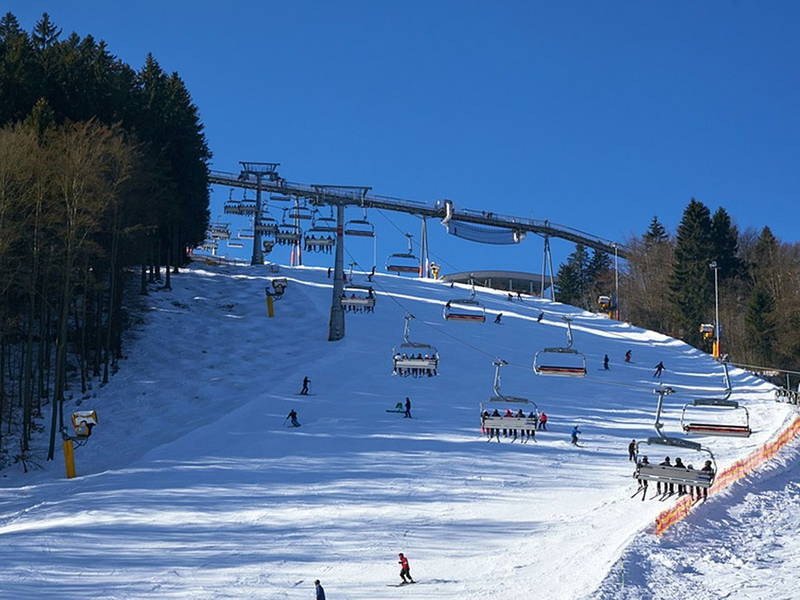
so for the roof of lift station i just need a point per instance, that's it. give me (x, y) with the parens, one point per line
(513, 281)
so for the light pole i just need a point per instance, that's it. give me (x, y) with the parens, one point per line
(716, 350)
(616, 282)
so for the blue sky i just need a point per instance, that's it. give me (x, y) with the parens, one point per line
(594, 115)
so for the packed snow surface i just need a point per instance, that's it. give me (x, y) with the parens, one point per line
(192, 485)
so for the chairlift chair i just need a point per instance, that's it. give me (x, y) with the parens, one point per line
(403, 262)
(413, 357)
(246, 234)
(267, 246)
(300, 212)
(231, 206)
(234, 244)
(564, 361)
(323, 224)
(279, 198)
(671, 474)
(266, 224)
(498, 396)
(604, 302)
(361, 227)
(722, 429)
(358, 296)
(219, 231)
(82, 422)
(247, 208)
(465, 309)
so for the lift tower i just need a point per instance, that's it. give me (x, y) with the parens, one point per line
(340, 196)
(258, 171)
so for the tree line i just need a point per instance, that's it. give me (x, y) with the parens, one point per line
(103, 173)
(667, 285)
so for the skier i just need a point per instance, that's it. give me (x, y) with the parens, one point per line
(632, 451)
(293, 416)
(659, 369)
(539, 318)
(319, 589)
(642, 482)
(628, 356)
(407, 414)
(543, 421)
(681, 487)
(709, 469)
(605, 362)
(304, 391)
(405, 570)
(498, 317)
(668, 487)
(574, 434)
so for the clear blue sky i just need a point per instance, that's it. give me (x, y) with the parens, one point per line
(596, 115)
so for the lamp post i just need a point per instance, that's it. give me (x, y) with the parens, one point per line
(716, 350)
(616, 282)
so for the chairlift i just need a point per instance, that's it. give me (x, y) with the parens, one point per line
(465, 309)
(361, 228)
(266, 224)
(498, 396)
(323, 224)
(219, 231)
(403, 262)
(723, 429)
(413, 358)
(358, 298)
(301, 212)
(287, 233)
(231, 206)
(670, 474)
(564, 361)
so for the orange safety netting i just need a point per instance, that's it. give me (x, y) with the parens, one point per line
(741, 468)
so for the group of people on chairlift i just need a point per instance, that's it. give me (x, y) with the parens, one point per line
(535, 421)
(319, 244)
(695, 491)
(359, 308)
(419, 371)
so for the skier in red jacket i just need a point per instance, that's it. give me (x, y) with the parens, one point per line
(405, 570)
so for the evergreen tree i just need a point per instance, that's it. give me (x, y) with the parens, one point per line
(761, 325)
(655, 234)
(45, 34)
(692, 280)
(725, 239)
(569, 288)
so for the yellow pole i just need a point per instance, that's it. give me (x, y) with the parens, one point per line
(715, 349)
(270, 307)
(69, 458)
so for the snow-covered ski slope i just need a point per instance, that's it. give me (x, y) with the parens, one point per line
(192, 487)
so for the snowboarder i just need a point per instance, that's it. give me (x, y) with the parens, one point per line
(574, 434)
(405, 570)
(498, 317)
(605, 362)
(293, 416)
(628, 356)
(543, 421)
(659, 370)
(540, 317)
(320, 591)
(632, 451)
(407, 414)
(304, 391)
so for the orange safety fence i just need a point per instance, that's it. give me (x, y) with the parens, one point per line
(741, 468)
